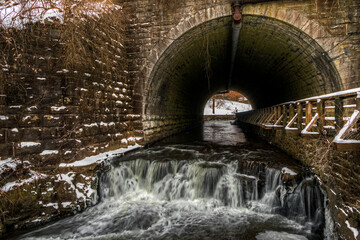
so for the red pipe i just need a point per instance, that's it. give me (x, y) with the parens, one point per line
(236, 9)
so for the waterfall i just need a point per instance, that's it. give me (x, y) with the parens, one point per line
(245, 184)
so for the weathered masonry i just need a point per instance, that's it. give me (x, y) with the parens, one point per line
(144, 69)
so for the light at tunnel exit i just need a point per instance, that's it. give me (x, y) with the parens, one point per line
(227, 104)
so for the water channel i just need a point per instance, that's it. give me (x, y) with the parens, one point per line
(211, 183)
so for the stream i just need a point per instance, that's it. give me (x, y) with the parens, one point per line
(211, 183)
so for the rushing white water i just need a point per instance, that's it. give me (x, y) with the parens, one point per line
(197, 191)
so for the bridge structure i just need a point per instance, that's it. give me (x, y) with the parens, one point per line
(284, 47)
(296, 61)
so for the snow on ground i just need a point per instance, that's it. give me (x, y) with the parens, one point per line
(225, 107)
(354, 230)
(288, 171)
(49, 152)
(8, 163)
(16, 13)
(29, 144)
(83, 191)
(10, 17)
(34, 176)
(54, 108)
(100, 157)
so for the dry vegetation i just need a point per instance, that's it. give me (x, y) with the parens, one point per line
(87, 39)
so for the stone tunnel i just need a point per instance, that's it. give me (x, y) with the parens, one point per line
(284, 61)
(281, 50)
(173, 58)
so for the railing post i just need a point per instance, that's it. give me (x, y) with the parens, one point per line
(291, 111)
(299, 120)
(339, 110)
(357, 101)
(320, 105)
(275, 111)
(308, 112)
(284, 112)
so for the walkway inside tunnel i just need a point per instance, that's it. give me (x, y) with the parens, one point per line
(274, 63)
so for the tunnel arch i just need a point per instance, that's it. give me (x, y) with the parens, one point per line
(275, 62)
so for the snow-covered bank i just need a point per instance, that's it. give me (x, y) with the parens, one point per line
(225, 107)
(100, 157)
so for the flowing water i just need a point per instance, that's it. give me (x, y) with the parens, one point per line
(208, 184)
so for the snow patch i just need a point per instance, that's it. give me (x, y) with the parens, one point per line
(67, 152)
(8, 163)
(54, 108)
(49, 152)
(54, 205)
(65, 204)
(29, 144)
(133, 115)
(100, 157)
(15, 13)
(354, 230)
(225, 107)
(34, 176)
(288, 171)
(3, 118)
(15, 106)
(31, 108)
(91, 125)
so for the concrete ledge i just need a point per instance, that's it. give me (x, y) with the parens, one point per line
(218, 117)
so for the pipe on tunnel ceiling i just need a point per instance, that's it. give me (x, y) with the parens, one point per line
(236, 27)
(236, 7)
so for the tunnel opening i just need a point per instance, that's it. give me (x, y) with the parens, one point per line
(275, 62)
(227, 104)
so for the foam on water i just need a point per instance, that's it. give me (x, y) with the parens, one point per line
(191, 199)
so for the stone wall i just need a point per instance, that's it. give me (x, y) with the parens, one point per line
(65, 95)
(219, 117)
(66, 91)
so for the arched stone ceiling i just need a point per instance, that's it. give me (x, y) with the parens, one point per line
(275, 62)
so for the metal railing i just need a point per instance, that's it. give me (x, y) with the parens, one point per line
(334, 115)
